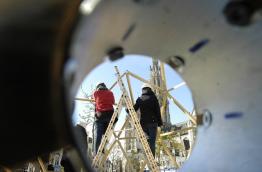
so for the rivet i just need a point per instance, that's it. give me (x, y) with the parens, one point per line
(205, 118)
(115, 53)
(176, 62)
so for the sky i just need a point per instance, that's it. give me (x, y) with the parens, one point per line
(139, 65)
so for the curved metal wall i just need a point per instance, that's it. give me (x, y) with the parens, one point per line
(222, 68)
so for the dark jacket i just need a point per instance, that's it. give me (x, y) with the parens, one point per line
(149, 108)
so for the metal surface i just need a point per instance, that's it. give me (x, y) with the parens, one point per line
(224, 75)
(33, 49)
(33, 111)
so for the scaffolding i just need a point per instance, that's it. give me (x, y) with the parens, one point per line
(169, 142)
(125, 100)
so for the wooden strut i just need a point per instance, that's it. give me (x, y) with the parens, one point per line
(41, 163)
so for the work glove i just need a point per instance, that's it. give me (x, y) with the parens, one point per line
(159, 123)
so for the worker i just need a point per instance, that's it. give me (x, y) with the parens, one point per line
(150, 114)
(104, 101)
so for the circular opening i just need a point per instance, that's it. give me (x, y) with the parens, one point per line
(124, 148)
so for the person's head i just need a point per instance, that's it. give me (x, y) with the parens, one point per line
(101, 86)
(146, 87)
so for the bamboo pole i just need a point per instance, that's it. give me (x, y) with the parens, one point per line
(130, 88)
(85, 100)
(178, 131)
(182, 109)
(115, 83)
(41, 163)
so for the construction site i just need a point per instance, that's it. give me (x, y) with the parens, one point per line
(125, 148)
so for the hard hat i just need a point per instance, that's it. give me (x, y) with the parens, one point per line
(146, 85)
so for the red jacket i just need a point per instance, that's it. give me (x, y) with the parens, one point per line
(104, 100)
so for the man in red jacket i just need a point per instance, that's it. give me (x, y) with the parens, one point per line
(104, 100)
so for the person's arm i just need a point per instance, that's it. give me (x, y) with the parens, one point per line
(136, 106)
(113, 98)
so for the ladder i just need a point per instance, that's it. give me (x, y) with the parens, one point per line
(134, 120)
(98, 158)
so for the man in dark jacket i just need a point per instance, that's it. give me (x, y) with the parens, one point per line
(150, 114)
(104, 101)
